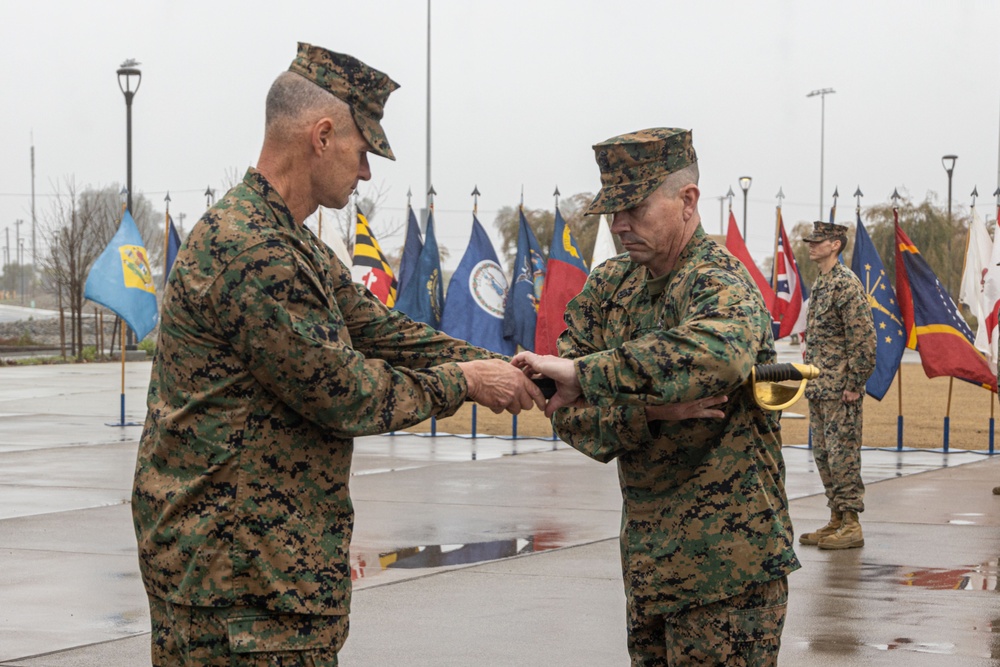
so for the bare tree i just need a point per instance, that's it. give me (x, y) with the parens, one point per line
(77, 229)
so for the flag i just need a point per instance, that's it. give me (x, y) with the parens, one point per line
(122, 281)
(889, 330)
(932, 323)
(787, 287)
(423, 296)
(173, 245)
(565, 275)
(735, 245)
(521, 309)
(411, 249)
(473, 310)
(971, 292)
(604, 245)
(371, 268)
(329, 234)
(991, 301)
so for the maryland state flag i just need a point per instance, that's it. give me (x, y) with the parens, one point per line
(122, 281)
(932, 323)
(565, 276)
(371, 268)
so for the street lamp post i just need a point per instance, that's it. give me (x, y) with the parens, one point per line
(20, 265)
(745, 186)
(822, 92)
(948, 162)
(127, 73)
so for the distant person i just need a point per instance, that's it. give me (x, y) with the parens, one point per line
(270, 360)
(840, 341)
(706, 539)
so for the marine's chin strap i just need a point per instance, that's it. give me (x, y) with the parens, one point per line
(769, 394)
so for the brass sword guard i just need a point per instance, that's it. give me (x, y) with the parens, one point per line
(765, 381)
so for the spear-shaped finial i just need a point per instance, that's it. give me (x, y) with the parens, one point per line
(895, 198)
(522, 195)
(975, 193)
(556, 195)
(858, 195)
(475, 200)
(430, 198)
(167, 200)
(836, 193)
(409, 198)
(730, 194)
(996, 193)
(209, 193)
(779, 196)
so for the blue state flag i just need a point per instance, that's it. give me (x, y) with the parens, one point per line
(474, 307)
(521, 309)
(423, 296)
(889, 328)
(411, 250)
(173, 245)
(122, 281)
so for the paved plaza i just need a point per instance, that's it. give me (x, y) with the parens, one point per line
(481, 551)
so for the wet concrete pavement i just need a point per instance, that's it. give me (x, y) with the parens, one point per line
(502, 560)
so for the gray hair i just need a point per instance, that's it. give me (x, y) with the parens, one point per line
(293, 100)
(674, 182)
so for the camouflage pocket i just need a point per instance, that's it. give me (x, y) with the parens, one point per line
(270, 633)
(757, 625)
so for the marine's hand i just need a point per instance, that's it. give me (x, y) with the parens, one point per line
(499, 386)
(850, 396)
(563, 371)
(700, 409)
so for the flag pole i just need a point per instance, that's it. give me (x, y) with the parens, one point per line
(777, 234)
(166, 237)
(899, 371)
(475, 212)
(430, 199)
(122, 422)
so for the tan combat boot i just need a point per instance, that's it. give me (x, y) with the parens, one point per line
(848, 536)
(812, 539)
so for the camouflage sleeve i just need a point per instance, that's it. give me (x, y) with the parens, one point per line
(600, 433)
(709, 353)
(859, 334)
(273, 310)
(382, 333)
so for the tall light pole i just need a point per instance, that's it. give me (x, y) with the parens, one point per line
(948, 162)
(20, 265)
(822, 92)
(745, 186)
(17, 246)
(127, 74)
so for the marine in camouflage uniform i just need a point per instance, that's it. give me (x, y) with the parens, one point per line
(269, 361)
(840, 341)
(706, 539)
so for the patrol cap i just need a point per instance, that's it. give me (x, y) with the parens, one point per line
(364, 88)
(633, 165)
(825, 230)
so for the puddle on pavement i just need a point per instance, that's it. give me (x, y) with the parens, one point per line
(981, 577)
(365, 565)
(906, 644)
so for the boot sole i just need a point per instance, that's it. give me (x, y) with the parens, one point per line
(837, 547)
(810, 542)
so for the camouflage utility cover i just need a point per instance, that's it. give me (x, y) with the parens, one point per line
(269, 361)
(840, 335)
(705, 513)
(633, 165)
(364, 88)
(825, 230)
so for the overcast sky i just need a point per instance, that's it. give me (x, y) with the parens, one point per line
(521, 89)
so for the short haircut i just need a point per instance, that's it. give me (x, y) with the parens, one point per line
(843, 241)
(674, 182)
(294, 99)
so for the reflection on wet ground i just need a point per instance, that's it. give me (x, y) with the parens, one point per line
(365, 565)
(974, 578)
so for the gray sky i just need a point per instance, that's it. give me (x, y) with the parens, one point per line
(521, 90)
